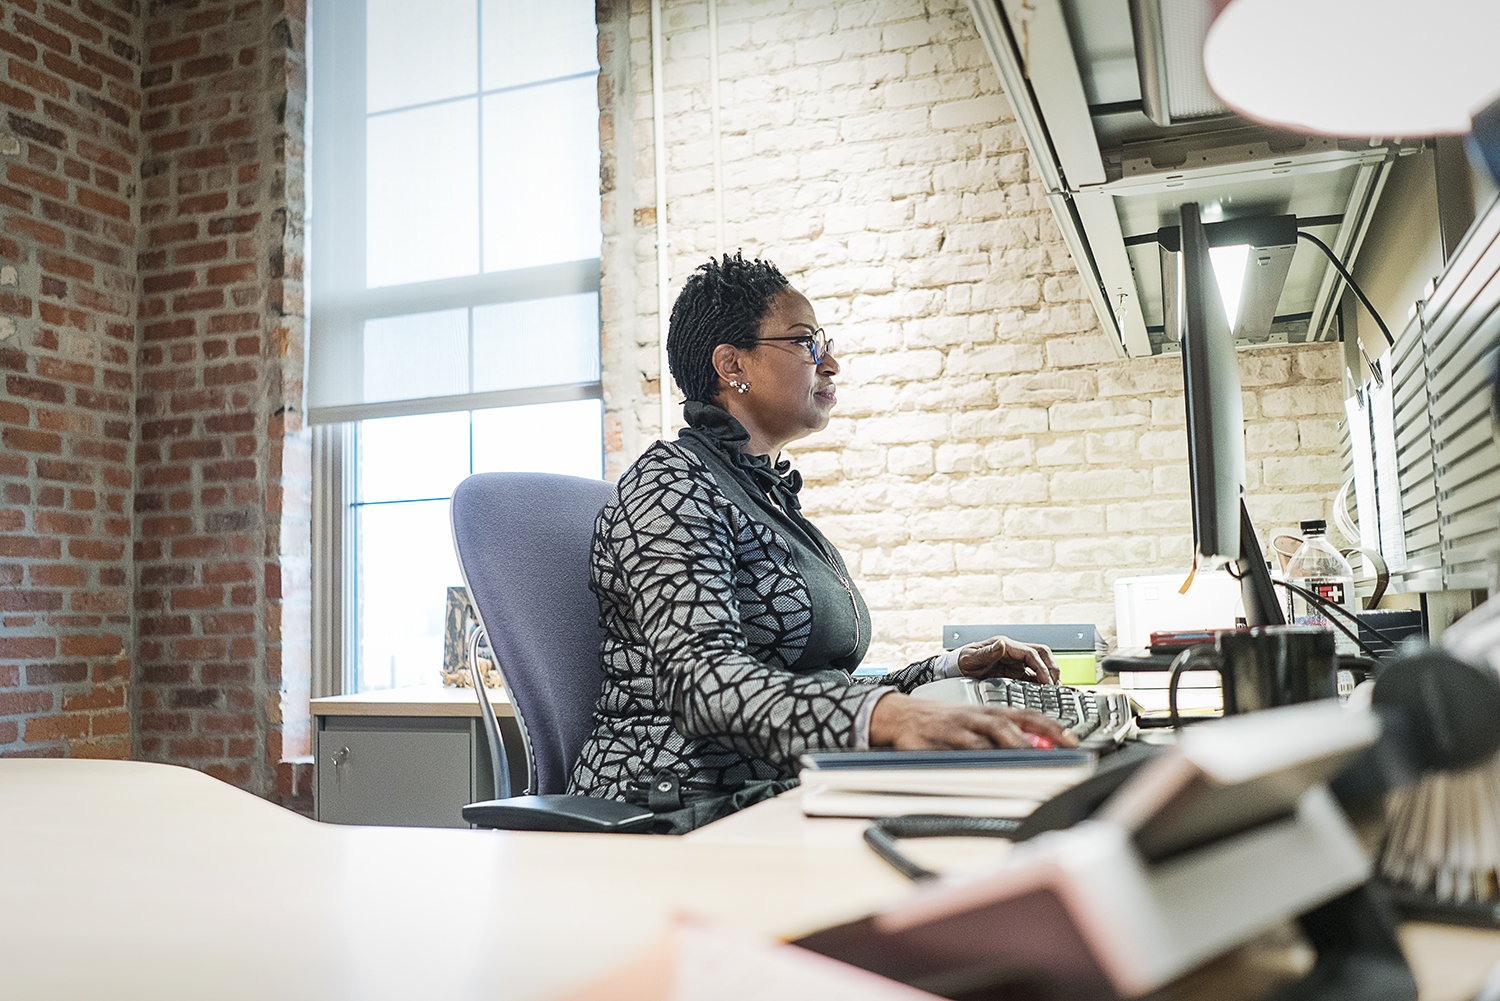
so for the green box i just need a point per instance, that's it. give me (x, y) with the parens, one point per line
(1078, 668)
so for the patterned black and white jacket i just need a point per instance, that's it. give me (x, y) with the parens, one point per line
(731, 625)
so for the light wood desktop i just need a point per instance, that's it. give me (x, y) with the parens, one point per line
(135, 880)
(417, 700)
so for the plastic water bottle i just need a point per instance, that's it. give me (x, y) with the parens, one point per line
(1318, 567)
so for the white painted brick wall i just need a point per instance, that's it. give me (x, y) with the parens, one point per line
(991, 459)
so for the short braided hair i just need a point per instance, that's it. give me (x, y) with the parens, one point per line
(723, 302)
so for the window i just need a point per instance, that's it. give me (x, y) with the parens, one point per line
(454, 223)
(407, 468)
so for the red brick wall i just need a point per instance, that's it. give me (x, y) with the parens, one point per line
(154, 468)
(68, 145)
(217, 315)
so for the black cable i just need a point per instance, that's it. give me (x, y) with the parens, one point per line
(882, 833)
(944, 825)
(1331, 606)
(1179, 664)
(1325, 603)
(884, 845)
(1338, 265)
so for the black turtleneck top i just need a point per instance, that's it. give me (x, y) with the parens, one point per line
(731, 625)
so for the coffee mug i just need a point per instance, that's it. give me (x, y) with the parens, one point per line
(1263, 666)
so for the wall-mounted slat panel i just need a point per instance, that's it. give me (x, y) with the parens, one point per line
(1473, 443)
(1423, 566)
(1465, 261)
(1459, 335)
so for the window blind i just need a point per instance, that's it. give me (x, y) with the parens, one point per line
(455, 236)
(1446, 437)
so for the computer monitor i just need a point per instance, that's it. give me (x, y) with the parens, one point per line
(1222, 533)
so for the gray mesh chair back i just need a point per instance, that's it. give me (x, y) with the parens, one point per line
(523, 544)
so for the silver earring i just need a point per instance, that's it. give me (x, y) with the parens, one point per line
(740, 387)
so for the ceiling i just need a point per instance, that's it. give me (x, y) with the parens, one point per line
(1111, 172)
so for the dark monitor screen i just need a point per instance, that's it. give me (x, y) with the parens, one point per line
(1215, 419)
(1222, 533)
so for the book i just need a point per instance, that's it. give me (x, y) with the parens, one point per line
(1039, 784)
(1131, 680)
(1008, 783)
(1154, 700)
(821, 801)
(1235, 773)
(1078, 668)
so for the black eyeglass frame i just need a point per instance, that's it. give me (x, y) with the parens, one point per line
(811, 340)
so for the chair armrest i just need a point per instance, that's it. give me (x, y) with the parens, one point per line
(586, 814)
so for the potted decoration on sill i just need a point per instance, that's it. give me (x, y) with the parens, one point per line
(459, 624)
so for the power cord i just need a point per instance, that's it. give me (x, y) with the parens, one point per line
(1333, 606)
(1179, 664)
(1339, 266)
(1327, 605)
(882, 833)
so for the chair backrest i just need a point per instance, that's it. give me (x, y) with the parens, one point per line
(523, 544)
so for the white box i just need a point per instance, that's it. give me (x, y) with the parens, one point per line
(1149, 603)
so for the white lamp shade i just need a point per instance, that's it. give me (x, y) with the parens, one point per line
(1388, 68)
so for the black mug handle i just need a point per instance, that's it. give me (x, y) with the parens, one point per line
(1180, 664)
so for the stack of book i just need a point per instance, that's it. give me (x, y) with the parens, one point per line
(994, 783)
(1197, 691)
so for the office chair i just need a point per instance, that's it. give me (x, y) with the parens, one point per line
(523, 547)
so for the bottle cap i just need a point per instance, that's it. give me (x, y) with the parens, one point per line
(1314, 526)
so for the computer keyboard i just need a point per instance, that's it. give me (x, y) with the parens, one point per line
(1099, 721)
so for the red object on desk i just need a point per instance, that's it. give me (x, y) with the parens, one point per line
(1163, 640)
(1039, 742)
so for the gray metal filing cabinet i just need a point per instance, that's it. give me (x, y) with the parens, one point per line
(407, 757)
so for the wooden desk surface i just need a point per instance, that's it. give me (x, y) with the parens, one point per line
(135, 880)
(420, 700)
(132, 880)
(780, 821)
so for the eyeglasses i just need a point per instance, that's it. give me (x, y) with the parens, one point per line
(818, 344)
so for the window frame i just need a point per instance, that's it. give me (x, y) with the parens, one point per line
(339, 306)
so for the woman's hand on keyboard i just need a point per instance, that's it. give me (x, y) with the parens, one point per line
(911, 724)
(1003, 657)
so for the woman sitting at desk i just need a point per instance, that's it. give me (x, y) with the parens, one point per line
(731, 624)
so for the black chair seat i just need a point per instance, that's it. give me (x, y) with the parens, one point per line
(584, 814)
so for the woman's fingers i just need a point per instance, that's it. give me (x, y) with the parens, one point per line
(1043, 726)
(916, 724)
(1002, 731)
(962, 740)
(1009, 727)
(1001, 655)
(1044, 664)
(1038, 660)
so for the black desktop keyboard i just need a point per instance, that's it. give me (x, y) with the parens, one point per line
(1099, 721)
